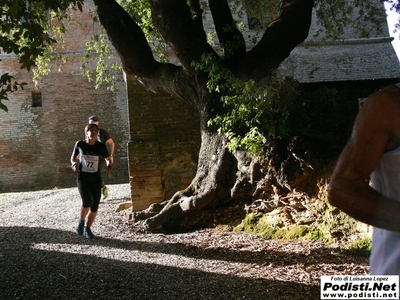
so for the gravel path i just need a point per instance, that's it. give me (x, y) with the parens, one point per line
(41, 257)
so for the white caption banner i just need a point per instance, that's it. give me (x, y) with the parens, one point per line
(360, 287)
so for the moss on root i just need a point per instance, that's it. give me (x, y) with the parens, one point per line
(333, 226)
(261, 225)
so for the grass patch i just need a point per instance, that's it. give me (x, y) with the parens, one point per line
(362, 247)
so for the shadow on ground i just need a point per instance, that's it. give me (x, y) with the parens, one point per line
(29, 273)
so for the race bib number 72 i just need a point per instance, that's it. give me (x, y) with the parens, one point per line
(90, 163)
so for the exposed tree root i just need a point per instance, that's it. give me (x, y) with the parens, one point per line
(233, 178)
(215, 177)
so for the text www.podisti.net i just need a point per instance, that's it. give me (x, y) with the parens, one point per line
(360, 287)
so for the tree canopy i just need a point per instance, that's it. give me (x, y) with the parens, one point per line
(28, 29)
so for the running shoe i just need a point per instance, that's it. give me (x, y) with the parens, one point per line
(88, 233)
(105, 192)
(79, 229)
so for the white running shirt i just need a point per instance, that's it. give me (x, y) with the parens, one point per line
(385, 254)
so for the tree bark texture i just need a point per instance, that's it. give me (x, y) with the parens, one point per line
(180, 24)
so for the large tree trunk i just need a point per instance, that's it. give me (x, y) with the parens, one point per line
(213, 182)
(219, 176)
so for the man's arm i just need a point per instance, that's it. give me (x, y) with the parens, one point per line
(109, 162)
(377, 123)
(111, 146)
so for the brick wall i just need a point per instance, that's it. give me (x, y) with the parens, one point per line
(157, 137)
(164, 145)
(36, 142)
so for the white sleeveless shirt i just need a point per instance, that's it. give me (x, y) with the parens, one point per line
(385, 254)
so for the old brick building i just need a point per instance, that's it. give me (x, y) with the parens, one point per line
(37, 138)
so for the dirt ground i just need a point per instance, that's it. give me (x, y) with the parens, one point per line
(41, 257)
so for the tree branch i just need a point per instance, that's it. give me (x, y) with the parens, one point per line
(230, 37)
(127, 38)
(181, 30)
(134, 50)
(197, 13)
(279, 39)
